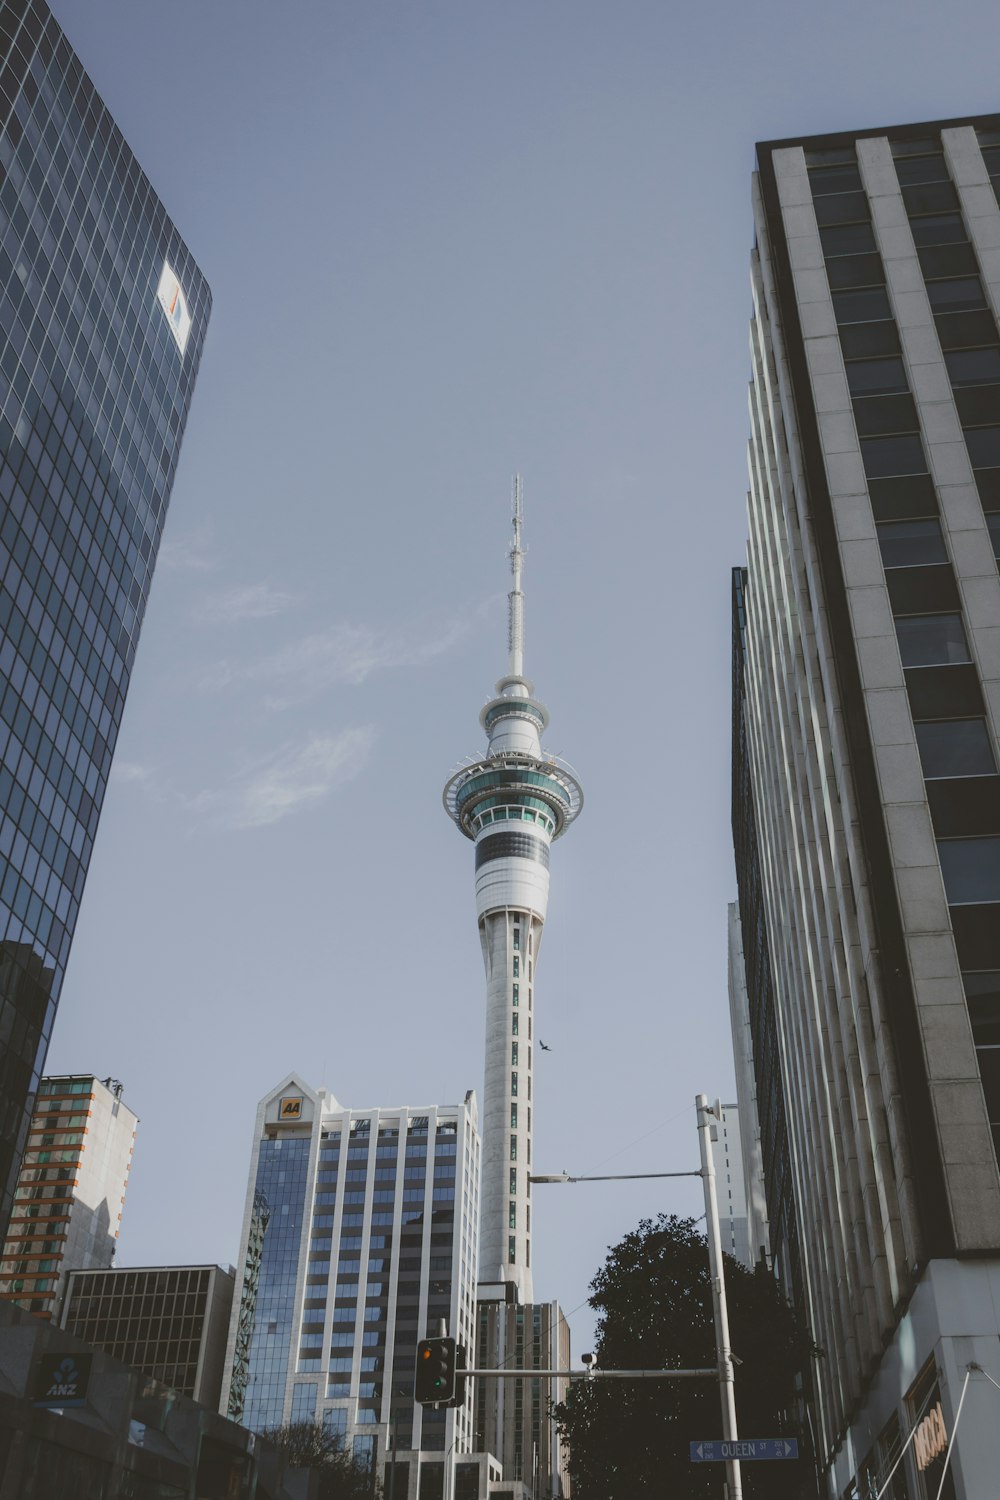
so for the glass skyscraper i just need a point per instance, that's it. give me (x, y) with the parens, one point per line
(371, 1238)
(102, 319)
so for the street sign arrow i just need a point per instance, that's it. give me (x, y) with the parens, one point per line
(746, 1450)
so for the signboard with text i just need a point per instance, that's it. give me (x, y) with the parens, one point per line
(747, 1450)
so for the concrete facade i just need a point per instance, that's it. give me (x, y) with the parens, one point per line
(754, 1196)
(70, 1191)
(170, 1322)
(872, 690)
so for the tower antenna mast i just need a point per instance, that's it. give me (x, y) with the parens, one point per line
(515, 599)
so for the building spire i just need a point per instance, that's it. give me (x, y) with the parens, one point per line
(515, 599)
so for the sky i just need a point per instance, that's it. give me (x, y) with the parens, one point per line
(447, 241)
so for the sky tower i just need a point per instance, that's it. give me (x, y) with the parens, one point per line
(513, 803)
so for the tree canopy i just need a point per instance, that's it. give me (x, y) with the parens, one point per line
(309, 1445)
(654, 1298)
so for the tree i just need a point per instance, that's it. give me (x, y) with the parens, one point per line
(309, 1445)
(654, 1298)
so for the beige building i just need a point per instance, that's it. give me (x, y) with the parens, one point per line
(70, 1191)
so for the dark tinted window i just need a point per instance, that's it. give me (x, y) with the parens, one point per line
(971, 869)
(902, 454)
(842, 208)
(955, 747)
(869, 377)
(983, 444)
(855, 270)
(939, 229)
(911, 544)
(974, 366)
(845, 179)
(993, 522)
(959, 295)
(922, 169)
(847, 239)
(862, 307)
(931, 640)
(982, 991)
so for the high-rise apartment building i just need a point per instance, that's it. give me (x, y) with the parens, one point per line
(727, 1153)
(755, 1198)
(102, 318)
(370, 1236)
(170, 1322)
(867, 793)
(70, 1191)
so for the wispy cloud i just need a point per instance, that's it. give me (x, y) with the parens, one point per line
(329, 658)
(193, 553)
(252, 601)
(129, 770)
(294, 776)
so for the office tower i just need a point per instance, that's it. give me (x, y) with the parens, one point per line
(170, 1322)
(512, 1417)
(70, 1191)
(102, 319)
(371, 1237)
(870, 703)
(755, 1197)
(515, 783)
(727, 1153)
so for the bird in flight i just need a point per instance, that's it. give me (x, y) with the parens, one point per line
(543, 1046)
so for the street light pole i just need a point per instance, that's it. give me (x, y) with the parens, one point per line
(726, 1390)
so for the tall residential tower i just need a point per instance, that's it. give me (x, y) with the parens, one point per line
(512, 804)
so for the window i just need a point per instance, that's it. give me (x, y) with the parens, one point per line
(971, 869)
(513, 1053)
(982, 990)
(922, 169)
(931, 640)
(842, 208)
(513, 1117)
(512, 1215)
(513, 1148)
(901, 454)
(513, 1182)
(512, 1254)
(939, 229)
(955, 747)
(993, 522)
(513, 1083)
(974, 366)
(960, 294)
(911, 544)
(868, 306)
(876, 377)
(847, 239)
(983, 444)
(514, 1023)
(845, 179)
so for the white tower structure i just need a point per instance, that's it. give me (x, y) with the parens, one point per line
(513, 803)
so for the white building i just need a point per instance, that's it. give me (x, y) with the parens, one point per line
(726, 1146)
(870, 709)
(369, 1237)
(70, 1191)
(754, 1197)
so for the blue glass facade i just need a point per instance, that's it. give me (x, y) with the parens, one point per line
(102, 319)
(282, 1174)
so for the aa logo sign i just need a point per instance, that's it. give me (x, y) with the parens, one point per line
(290, 1109)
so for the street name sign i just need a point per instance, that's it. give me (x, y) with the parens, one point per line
(719, 1451)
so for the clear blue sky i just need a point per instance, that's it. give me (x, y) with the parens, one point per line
(447, 241)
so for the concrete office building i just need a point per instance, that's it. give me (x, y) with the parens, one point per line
(370, 1237)
(70, 1191)
(170, 1322)
(867, 635)
(102, 318)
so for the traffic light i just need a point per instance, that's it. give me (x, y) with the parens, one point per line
(436, 1372)
(458, 1399)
